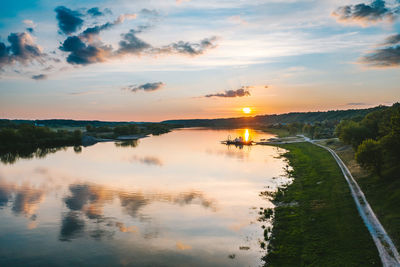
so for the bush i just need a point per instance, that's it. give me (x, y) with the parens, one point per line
(369, 155)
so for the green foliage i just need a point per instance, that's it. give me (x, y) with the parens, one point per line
(351, 132)
(376, 140)
(158, 128)
(316, 222)
(99, 129)
(369, 155)
(264, 120)
(28, 137)
(126, 130)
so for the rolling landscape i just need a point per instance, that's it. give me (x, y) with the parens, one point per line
(200, 133)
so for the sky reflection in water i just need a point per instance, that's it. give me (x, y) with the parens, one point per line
(176, 199)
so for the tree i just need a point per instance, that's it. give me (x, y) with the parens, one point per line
(89, 128)
(351, 132)
(370, 155)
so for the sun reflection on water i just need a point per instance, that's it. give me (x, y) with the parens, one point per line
(246, 135)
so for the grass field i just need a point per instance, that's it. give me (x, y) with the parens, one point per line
(323, 228)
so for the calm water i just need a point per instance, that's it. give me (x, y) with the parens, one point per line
(177, 199)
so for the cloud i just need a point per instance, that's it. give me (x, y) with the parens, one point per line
(96, 12)
(149, 12)
(83, 50)
(30, 25)
(124, 17)
(82, 54)
(187, 48)
(22, 49)
(392, 40)
(89, 33)
(39, 77)
(387, 56)
(69, 21)
(232, 93)
(365, 13)
(130, 44)
(147, 87)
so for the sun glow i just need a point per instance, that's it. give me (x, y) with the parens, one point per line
(246, 110)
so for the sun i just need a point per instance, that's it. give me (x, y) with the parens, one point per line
(246, 110)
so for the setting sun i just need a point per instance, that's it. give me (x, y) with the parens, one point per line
(247, 110)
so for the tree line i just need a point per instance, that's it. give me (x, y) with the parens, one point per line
(376, 140)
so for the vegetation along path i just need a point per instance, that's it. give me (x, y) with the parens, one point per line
(387, 251)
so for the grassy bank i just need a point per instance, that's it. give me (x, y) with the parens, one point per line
(280, 132)
(320, 225)
(383, 194)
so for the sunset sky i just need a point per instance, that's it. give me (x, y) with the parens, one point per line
(152, 60)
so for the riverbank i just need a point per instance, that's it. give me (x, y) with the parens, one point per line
(323, 228)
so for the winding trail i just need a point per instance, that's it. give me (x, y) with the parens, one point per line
(387, 251)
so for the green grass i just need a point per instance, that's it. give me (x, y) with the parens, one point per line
(383, 194)
(324, 229)
(279, 132)
(384, 197)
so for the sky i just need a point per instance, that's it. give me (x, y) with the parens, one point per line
(152, 60)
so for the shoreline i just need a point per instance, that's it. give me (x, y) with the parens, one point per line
(324, 227)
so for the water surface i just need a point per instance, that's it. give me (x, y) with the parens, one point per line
(178, 199)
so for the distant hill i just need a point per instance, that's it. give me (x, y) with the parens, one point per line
(305, 117)
(64, 123)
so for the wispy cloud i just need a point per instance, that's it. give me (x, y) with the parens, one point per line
(147, 87)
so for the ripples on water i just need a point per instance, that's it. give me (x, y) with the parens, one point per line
(177, 199)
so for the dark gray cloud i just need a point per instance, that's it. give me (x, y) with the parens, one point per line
(95, 30)
(96, 12)
(147, 87)
(83, 50)
(30, 30)
(22, 49)
(39, 77)
(392, 40)
(131, 44)
(83, 54)
(386, 56)
(187, 48)
(364, 13)
(232, 93)
(69, 21)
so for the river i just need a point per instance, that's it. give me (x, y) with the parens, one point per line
(178, 199)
